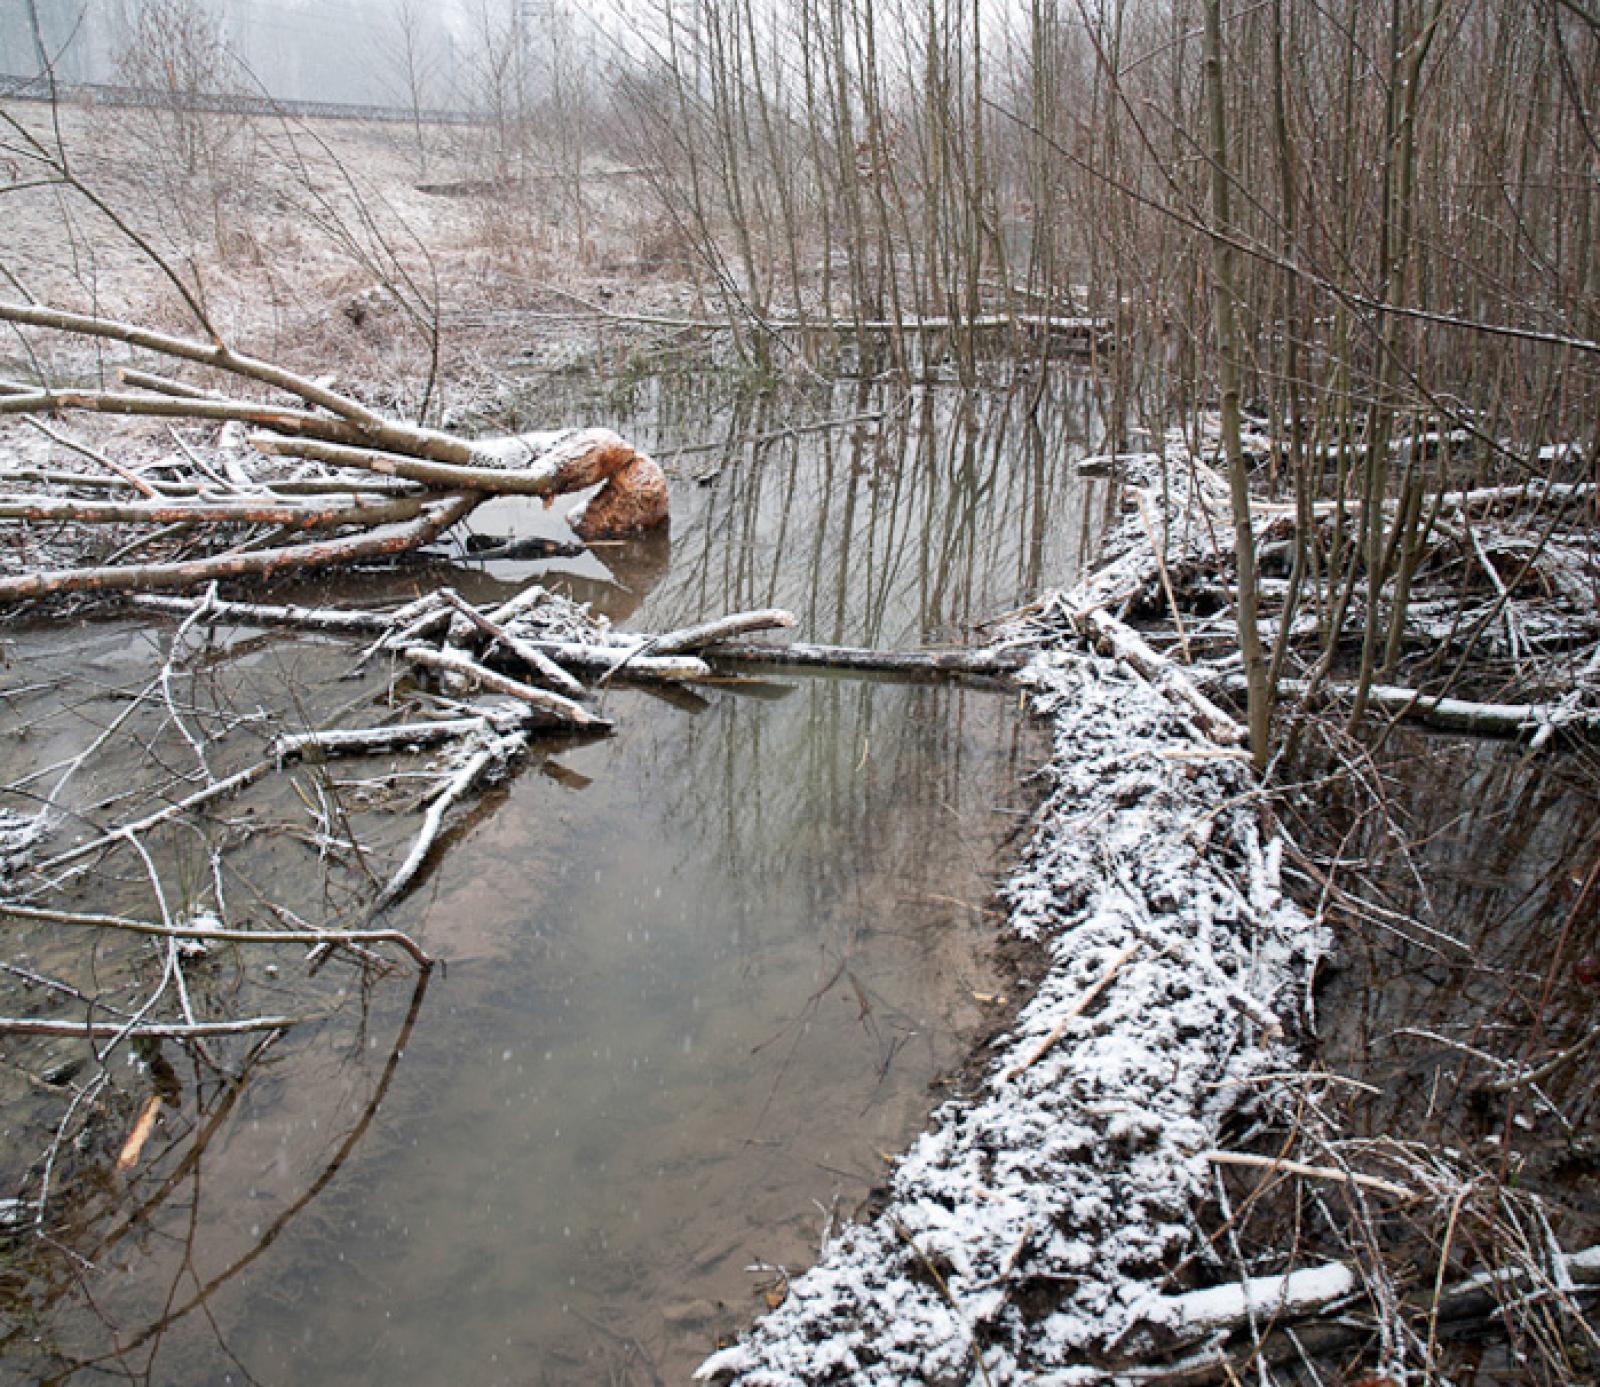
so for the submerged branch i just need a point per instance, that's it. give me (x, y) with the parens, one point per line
(154, 1030)
(465, 779)
(231, 936)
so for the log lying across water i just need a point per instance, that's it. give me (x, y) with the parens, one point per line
(983, 662)
(647, 657)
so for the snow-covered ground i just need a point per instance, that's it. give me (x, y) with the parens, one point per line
(1041, 1231)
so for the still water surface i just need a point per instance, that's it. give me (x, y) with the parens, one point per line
(701, 973)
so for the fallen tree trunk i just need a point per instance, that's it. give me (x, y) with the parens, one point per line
(535, 464)
(725, 629)
(319, 425)
(266, 563)
(334, 621)
(618, 661)
(643, 657)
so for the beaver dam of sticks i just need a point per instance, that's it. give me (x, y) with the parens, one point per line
(513, 963)
(838, 905)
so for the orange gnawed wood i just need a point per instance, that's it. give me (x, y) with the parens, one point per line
(143, 1126)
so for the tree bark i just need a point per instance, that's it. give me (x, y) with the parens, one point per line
(268, 563)
(1225, 300)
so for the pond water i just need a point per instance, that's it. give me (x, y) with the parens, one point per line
(1475, 942)
(701, 973)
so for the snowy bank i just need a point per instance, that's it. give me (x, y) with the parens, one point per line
(1046, 1228)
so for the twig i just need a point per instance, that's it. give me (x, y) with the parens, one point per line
(972, 1339)
(160, 1030)
(1510, 1083)
(133, 479)
(1273, 1164)
(237, 781)
(1084, 1002)
(283, 749)
(143, 1126)
(233, 936)
(1158, 550)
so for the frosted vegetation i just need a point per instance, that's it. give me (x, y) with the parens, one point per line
(1320, 287)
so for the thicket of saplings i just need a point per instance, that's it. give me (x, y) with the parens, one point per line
(1375, 230)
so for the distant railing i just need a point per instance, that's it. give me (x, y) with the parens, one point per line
(110, 94)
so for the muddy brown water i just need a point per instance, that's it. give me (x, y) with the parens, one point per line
(1485, 844)
(1464, 953)
(701, 974)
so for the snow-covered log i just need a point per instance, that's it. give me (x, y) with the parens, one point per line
(1286, 1309)
(1121, 640)
(1519, 720)
(1197, 1315)
(363, 545)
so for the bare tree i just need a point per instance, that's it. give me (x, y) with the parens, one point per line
(414, 64)
(177, 54)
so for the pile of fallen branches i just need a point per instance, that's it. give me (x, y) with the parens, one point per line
(1498, 633)
(306, 476)
(467, 695)
(533, 664)
(1079, 1216)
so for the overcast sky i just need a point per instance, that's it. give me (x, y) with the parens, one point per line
(328, 50)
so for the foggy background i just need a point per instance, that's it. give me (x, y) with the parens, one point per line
(311, 50)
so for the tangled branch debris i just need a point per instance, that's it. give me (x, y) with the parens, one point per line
(1048, 1225)
(465, 694)
(428, 480)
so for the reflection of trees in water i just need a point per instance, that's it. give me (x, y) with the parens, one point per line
(161, 1213)
(1466, 847)
(912, 527)
(932, 511)
(945, 510)
(851, 795)
(898, 532)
